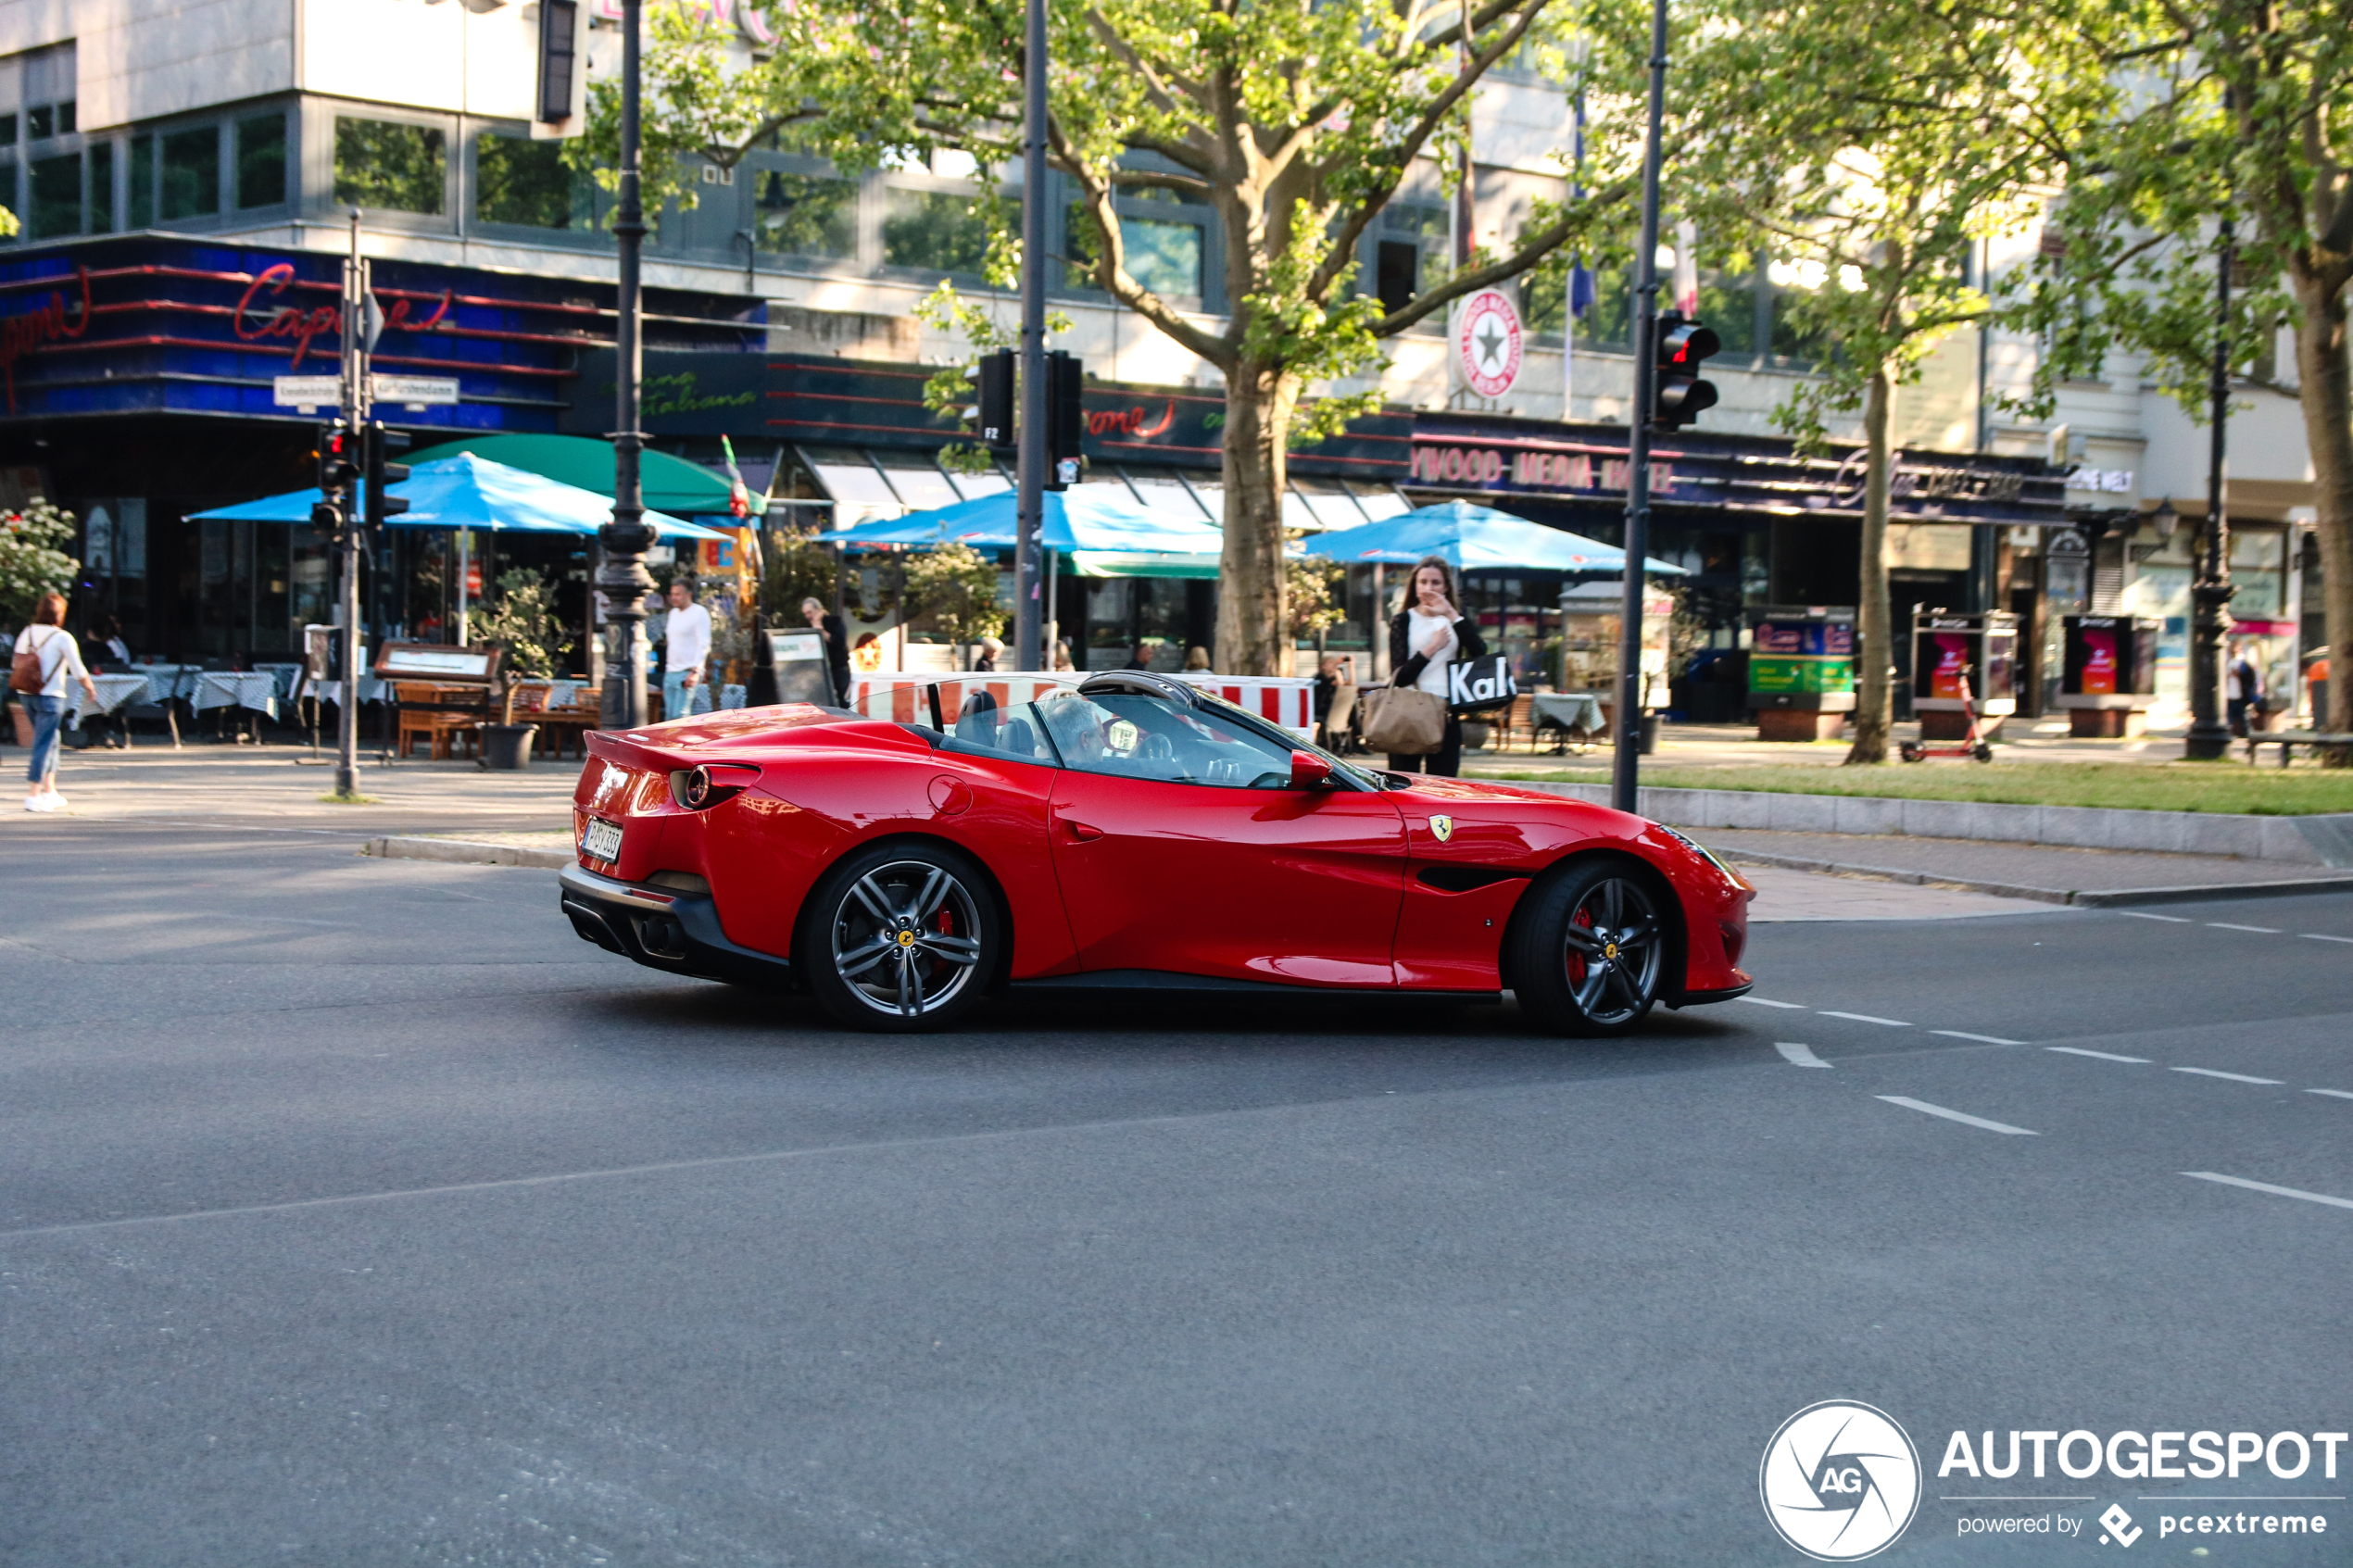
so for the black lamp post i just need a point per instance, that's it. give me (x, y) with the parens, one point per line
(2209, 737)
(624, 578)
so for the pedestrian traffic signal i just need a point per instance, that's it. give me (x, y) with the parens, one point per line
(1680, 348)
(1066, 419)
(338, 455)
(326, 523)
(997, 398)
(381, 443)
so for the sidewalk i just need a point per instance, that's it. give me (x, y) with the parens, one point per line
(255, 786)
(1736, 746)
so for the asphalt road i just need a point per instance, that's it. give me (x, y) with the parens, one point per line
(356, 1213)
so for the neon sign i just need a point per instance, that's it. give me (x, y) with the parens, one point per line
(45, 323)
(324, 320)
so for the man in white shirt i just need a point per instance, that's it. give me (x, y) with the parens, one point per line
(686, 642)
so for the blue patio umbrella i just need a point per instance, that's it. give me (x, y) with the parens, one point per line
(469, 492)
(1474, 538)
(1087, 518)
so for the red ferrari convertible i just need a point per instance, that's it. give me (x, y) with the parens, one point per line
(1125, 830)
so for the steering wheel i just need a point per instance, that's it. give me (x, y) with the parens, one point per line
(1155, 748)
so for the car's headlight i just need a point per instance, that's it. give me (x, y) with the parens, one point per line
(1704, 853)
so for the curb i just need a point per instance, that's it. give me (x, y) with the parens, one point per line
(2083, 898)
(467, 852)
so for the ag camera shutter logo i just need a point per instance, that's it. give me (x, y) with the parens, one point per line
(1841, 1481)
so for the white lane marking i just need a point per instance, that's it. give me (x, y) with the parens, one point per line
(1797, 1055)
(1981, 1039)
(2259, 930)
(2104, 1056)
(1867, 1018)
(2332, 1094)
(2323, 936)
(2275, 1191)
(1961, 1116)
(2233, 1077)
(1763, 1002)
(2170, 919)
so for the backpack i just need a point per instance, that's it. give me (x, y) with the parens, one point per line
(25, 673)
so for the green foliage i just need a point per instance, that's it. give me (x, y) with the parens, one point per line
(955, 586)
(1311, 596)
(793, 568)
(521, 618)
(31, 562)
(527, 183)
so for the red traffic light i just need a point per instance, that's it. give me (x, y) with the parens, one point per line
(1680, 348)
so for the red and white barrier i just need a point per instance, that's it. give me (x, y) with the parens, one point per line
(897, 695)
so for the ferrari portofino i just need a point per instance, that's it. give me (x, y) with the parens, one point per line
(1120, 832)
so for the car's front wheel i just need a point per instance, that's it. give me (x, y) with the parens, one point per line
(902, 937)
(1590, 951)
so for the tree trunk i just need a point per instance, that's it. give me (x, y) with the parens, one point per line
(1253, 620)
(1874, 636)
(2326, 394)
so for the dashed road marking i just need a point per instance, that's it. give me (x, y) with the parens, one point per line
(2104, 1056)
(2233, 1077)
(1867, 1018)
(2170, 919)
(1964, 1117)
(2275, 1191)
(2259, 930)
(1797, 1055)
(2323, 936)
(1981, 1039)
(2332, 1094)
(1767, 1002)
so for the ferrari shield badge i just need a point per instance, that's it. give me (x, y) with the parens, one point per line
(1442, 828)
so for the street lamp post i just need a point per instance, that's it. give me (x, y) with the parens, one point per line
(1625, 784)
(2209, 737)
(1031, 456)
(624, 578)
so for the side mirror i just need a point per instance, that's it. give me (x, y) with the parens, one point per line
(1309, 770)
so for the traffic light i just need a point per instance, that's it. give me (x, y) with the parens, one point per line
(1680, 348)
(1066, 419)
(997, 398)
(338, 455)
(381, 443)
(326, 523)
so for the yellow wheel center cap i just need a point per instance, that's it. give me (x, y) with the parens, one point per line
(906, 939)
(1609, 949)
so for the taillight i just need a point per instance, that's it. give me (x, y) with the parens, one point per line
(699, 789)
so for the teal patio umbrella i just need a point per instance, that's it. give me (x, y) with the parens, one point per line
(1474, 538)
(469, 492)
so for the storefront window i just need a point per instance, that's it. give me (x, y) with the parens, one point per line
(525, 182)
(805, 215)
(8, 130)
(57, 196)
(192, 173)
(261, 160)
(935, 231)
(389, 166)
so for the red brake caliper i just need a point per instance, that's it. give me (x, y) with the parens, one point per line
(1576, 960)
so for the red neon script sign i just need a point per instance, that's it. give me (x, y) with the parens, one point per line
(19, 335)
(324, 320)
(1130, 422)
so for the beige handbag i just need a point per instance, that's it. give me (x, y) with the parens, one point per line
(1401, 720)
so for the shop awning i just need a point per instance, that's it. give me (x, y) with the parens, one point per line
(1474, 538)
(1100, 518)
(1116, 563)
(470, 492)
(671, 484)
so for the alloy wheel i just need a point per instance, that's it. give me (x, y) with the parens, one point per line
(906, 939)
(1612, 951)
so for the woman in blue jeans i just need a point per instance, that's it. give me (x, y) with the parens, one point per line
(57, 656)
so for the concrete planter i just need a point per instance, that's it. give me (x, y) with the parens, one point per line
(2311, 841)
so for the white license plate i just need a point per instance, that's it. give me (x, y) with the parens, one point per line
(601, 840)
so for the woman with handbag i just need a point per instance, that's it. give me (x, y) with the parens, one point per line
(1424, 638)
(45, 654)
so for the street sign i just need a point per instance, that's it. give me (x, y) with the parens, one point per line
(1487, 341)
(414, 390)
(308, 392)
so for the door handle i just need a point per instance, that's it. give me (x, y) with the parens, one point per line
(1080, 832)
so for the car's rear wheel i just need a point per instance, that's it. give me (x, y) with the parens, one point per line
(1590, 951)
(902, 937)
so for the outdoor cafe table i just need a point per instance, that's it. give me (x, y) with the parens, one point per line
(1568, 712)
(114, 692)
(225, 688)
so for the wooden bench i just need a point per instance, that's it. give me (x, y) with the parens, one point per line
(439, 715)
(2288, 740)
